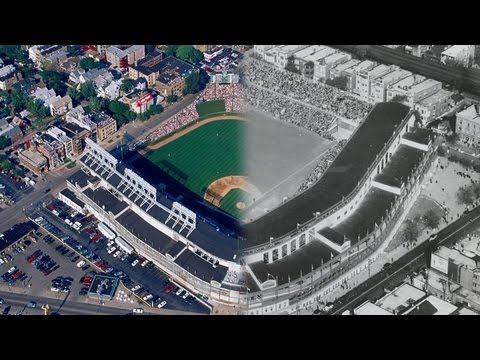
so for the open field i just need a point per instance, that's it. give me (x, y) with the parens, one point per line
(210, 107)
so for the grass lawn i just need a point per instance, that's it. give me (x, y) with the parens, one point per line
(229, 202)
(210, 107)
(204, 155)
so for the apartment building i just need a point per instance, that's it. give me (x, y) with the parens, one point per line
(459, 54)
(323, 66)
(433, 106)
(378, 86)
(122, 56)
(33, 161)
(365, 78)
(468, 122)
(148, 68)
(8, 77)
(61, 106)
(62, 137)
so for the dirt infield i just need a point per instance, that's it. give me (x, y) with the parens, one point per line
(219, 188)
(191, 128)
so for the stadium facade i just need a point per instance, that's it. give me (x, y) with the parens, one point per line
(289, 257)
(298, 253)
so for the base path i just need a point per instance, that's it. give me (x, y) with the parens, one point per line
(191, 128)
(219, 188)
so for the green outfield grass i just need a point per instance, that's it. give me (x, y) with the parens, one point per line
(204, 155)
(229, 202)
(210, 107)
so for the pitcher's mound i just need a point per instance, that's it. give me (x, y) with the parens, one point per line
(240, 205)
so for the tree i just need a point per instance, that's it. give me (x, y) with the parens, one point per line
(37, 109)
(410, 231)
(76, 95)
(189, 53)
(431, 219)
(6, 165)
(291, 65)
(4, 141)
(55, 80)
(18, 100)
(120, 112)
(88, 90)
(97, 103)
(88, 63)
(14, 53)
(127, 85)
(170, 50)
(465, 195)
(172, 98)
(398, 98)
(340, 82)
(441, 151)
(18, 172)
(475, 190)
(452, 138)
(192, 83)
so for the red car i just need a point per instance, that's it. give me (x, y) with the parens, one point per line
(169, 288)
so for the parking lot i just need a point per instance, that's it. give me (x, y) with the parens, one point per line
(14, 189)
(149, 283)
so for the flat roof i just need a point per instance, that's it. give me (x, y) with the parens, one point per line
(106, 200)
(395, 76)
(81, 178)
(343, 66)
(202, 269)
(400, 167)
(300, 261)
(15, 233)
(455, 50)
(175, 249)
(338, 181)
(365, 65)
(70, 195)
(435, 98)
(320, 54)
(103, 286)
(145, 232)
(335, 57)
(401, 298)
(333, 235)
(308, 51)
(379, 70)
(371, 210)
(369, 308)
(420, 135)
(428, 83)
(432, 306)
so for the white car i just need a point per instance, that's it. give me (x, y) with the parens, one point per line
(80, 263)
(179, 291)
(162, 304)
(135, 262)
(184, 297)
(111, 250)
(145, 263)
(138, 311)
(117, 253)
(147, 297)
(136, 287)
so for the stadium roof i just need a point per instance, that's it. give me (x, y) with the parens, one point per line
(70, 195)
(81, 178)
(202, 269)
(338, 181)
(106, 200)
(16, 232)
(401, 166)
(299, 262)
(419, 135)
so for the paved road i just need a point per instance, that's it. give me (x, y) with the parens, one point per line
(410, 262)
(465, 79)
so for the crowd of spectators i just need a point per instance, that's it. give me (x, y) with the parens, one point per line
(321, 166)
(234, 97)
(290, 111)
(295, 86)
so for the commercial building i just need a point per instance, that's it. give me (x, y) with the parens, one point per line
(8, 77)
(365, 78)
(140, 101)
(148, 68)
(10, 130)
(459, 54)
(61, 106)
(433, 106)
(468, 122)
(17, 233)
(124, 55)
(69, 198)
(33, 161)
(378, 86)
(62, 137)
(172, 74)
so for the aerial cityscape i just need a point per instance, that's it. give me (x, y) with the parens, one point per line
(240, 179)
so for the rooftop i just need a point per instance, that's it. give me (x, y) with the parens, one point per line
(400, 167)
(435, 98)
(321, 54)
(455, 50)
(364, 65)
(300, 262)
(106, 200)
(202, 269)
(419, 135)
(432, 306)
(15, 233)
(369, 308)
(308, 51)
(424, 85)
(355, 159)
(71, 196)
(456, 257)
(471, 113)
(401, 298)
(103, 286)
(347, 65)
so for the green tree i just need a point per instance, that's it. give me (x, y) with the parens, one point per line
(398, 98)
(431, 219)
(410, 231)
(189, 53)
(74, 50)
(55, 80)
(127, 86)
(97, 103)
(18, 100)
(4, 141)
(37, 109)
(170, 50)
(14, 53)
(76, 95)
(88, 63)
(192, 83)
(18, 172)
(452, 138)
(465, 196)
(172, 98)
(291, 65)
(88, 90)
(6, 165)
